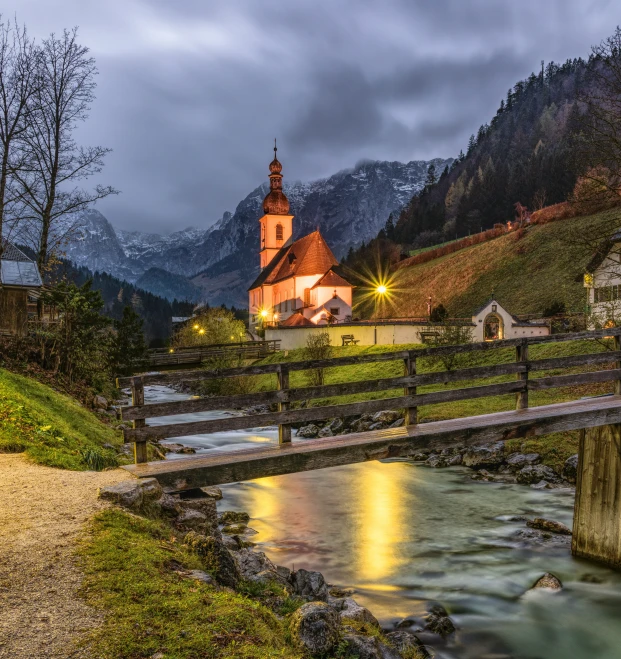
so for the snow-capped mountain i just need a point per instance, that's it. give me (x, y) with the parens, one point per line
(349, 207)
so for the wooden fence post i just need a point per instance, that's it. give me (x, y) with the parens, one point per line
(284, 429)
(409, 368)
(140, 447)
(617, 344)
(521, 355)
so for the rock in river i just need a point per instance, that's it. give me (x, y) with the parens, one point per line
(570, 468)
(547, 581)
(549, 525)
(484, 456)
(310, 585)
(368, 647)
(315, 626)
(535, 474)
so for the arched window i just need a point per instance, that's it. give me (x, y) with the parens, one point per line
(279, 231)
(493, 328)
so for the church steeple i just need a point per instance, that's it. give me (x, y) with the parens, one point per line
(276, 203)
(276, 224)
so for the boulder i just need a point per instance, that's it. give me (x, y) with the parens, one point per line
(194, 520)
(100, 402)
(232, 542)
(233, 517)
(215, 557)
(377, 425)
(361, 425)
(483, 475)
(547, 581)
(309, 431)
(234, 529)
(398, 423)
(206, 507)
(406, 642)
(212, 492)
(252, 562)
(336, 425)
(570, 468)
(541, 485)
(310, 585)
(435, 460)
(132, 494)
(326, 432)
(535, 473)
(455, 460)
(367, 647)
(169, 505)
(484, 456)
(386, 416)
(437, 620)
(549, 525)
(519, 460)
(354, 611)
(315, 627)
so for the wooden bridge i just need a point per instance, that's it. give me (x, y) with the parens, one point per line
(599, 472)
(193, 355)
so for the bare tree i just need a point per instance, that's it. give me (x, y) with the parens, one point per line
(18, 80)
(56, 163)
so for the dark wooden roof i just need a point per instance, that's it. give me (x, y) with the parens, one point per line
(297, 320)
(307, 256)
(331, 280)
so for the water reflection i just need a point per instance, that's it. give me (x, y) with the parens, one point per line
(402, 534)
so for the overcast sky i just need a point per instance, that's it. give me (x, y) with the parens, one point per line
(191, 93)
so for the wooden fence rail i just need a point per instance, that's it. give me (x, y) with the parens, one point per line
(408, 382)
(197, 354)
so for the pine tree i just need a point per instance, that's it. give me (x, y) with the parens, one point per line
(431, 176)
(390, 228)
(129, 349)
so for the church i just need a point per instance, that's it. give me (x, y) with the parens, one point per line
(298, 284)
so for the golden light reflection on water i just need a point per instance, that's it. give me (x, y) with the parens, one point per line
(383, 524)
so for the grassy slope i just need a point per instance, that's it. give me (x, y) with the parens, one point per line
(555, 449)
(128, 564)
(52, 428)
(526, 274)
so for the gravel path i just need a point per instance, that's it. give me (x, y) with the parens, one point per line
(42, 513)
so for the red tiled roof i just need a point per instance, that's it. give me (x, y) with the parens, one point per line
(297, 320)
(331, 279)
(309, 255)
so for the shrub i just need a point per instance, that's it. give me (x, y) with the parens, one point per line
(317, 347)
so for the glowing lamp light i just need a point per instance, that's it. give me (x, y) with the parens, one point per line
(171, 350)
(264, 313)
(195, 326)
(381, 289)
(275, 316)
(201, 331)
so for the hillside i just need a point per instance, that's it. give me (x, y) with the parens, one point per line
(52, 428)
(526, 270)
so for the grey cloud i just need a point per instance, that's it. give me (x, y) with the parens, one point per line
(192, 93)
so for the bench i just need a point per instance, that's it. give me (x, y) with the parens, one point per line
(348, 340)
(428, 337)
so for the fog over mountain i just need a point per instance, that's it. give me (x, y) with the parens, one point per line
(220, 261)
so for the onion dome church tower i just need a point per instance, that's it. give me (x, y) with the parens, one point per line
(276, 224)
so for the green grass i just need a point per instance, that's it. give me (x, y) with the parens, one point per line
(52, 428)
(555, 449)
(128, 562)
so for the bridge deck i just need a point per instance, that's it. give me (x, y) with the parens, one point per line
(304, 455)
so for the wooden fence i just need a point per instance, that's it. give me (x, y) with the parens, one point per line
(284, 396)
(196, 354)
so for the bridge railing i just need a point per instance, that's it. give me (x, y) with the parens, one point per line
(196, 354)
(410, 400)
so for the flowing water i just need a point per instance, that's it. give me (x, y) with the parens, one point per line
(403, 534)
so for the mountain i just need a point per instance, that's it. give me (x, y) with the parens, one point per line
(170, 286)
(349, 207)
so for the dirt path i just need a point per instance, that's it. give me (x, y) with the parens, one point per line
(42, 513)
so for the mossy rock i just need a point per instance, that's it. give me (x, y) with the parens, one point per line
(234, 517)
(215, 557)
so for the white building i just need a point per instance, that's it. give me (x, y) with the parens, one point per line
(603, 283)
(492, 322)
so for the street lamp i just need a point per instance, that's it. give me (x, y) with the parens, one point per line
(381, 289)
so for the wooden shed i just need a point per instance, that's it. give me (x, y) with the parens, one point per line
(20, 287)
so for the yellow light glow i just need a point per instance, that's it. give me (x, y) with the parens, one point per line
(201, 331)
(264, 313)
(195, 326)
(381, 289)
(275, 316)
(171, 350)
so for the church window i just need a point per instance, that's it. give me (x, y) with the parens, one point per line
(335, 311)
(279, 232)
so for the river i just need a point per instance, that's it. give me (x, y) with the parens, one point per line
(401, 534)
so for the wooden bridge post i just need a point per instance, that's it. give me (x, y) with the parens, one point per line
(284, 429)
(409, 368)
(521, 355)
(617, 344)
(140, 447)
(597, 510)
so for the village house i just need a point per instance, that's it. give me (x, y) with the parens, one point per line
(20, 288)
(298, 284)
(603, 283)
